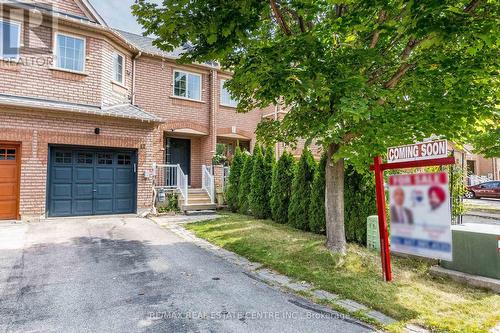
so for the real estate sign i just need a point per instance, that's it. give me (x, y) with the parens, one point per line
(421, 215)
(418, 151)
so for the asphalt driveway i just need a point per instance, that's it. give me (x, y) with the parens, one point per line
(129, 275)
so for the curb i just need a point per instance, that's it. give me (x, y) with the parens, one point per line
(256, 271)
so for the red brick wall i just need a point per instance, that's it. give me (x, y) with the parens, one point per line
(66, 6)
(35, 76)
(36, 130)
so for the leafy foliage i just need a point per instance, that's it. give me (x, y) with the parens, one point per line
(317, 219)
(298, 212)
(359, 199)
(245, 185)
(281, 189)
(259, 195)
(234, 179)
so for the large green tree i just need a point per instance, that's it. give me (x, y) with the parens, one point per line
(355, 75)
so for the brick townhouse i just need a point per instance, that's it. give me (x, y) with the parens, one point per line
(86, 112)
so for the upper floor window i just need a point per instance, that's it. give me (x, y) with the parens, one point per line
(70, 53)
(10, 40)
(118, 68)
(187, 85)
(225, 96)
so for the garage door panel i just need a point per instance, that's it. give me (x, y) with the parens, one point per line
(84, 175)
(61, 191)
(62, 174)
(83, 191)
(9, 173)
(93, 181)
(103, 175)
(82, 207)
(61, 207)
(104, 206)
(123, 191)
(123, 205)
(104, 191)
(123, 176)
(8, 190)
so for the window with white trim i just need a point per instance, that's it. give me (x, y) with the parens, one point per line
(70, 53)
(225, 96)
(187, 85)
(118, 68)
(10, 40)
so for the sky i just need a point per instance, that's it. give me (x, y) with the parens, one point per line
(117, 14)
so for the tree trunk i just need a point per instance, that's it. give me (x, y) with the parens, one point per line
(334, 202)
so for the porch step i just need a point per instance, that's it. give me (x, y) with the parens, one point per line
(198, 207)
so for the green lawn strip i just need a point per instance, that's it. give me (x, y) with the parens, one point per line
(436, 303)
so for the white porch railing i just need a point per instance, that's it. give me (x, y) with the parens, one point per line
(208, 183)
(172, 176)
(475, 180)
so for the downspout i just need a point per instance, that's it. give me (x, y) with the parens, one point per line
(213, 109)
(134, 68)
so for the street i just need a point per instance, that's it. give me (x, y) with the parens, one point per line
(485, 211)
(129, 275)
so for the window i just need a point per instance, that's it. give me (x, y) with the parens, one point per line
(70, 53)
(105, 158)
(10, 40)
(118, 68)
(187, 85)
(225, 96)
(7, 154)
(63, 157)
(124, 159)
(85, 158)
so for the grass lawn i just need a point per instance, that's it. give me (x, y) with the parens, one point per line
(414, 296)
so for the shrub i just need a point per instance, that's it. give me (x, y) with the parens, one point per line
(298, 212)
(359, 200)
(232, 188)
(259, 195)
(281, 188)
(317, 221)
(245, 185)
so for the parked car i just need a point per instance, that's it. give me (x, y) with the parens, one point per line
(484, 190)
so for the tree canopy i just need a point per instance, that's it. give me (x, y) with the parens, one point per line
(360, 74)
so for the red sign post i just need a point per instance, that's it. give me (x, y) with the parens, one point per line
(378, 167)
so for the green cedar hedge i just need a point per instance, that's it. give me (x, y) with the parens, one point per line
(298, 212)
(359, 196)
(317, 221)
(245, 185)
(232, 188)
(259, 195)
(281, 188)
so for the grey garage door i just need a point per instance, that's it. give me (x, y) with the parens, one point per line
(86, 181)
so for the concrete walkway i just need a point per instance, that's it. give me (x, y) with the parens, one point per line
(130, 275)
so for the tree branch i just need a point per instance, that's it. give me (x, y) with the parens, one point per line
(279, 18)
(398, 75)
(472, 6)
(376, 35)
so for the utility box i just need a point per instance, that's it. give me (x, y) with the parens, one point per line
(372, 234)
(475, 250)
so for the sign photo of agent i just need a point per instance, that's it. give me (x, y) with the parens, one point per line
(421, 215)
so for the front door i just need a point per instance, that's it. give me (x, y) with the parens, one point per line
(10, 159)
(179, 152)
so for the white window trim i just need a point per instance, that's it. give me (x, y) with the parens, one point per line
(187, 85)
(19, 39)
(122, 83)
(222, 82)
(54, 52)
